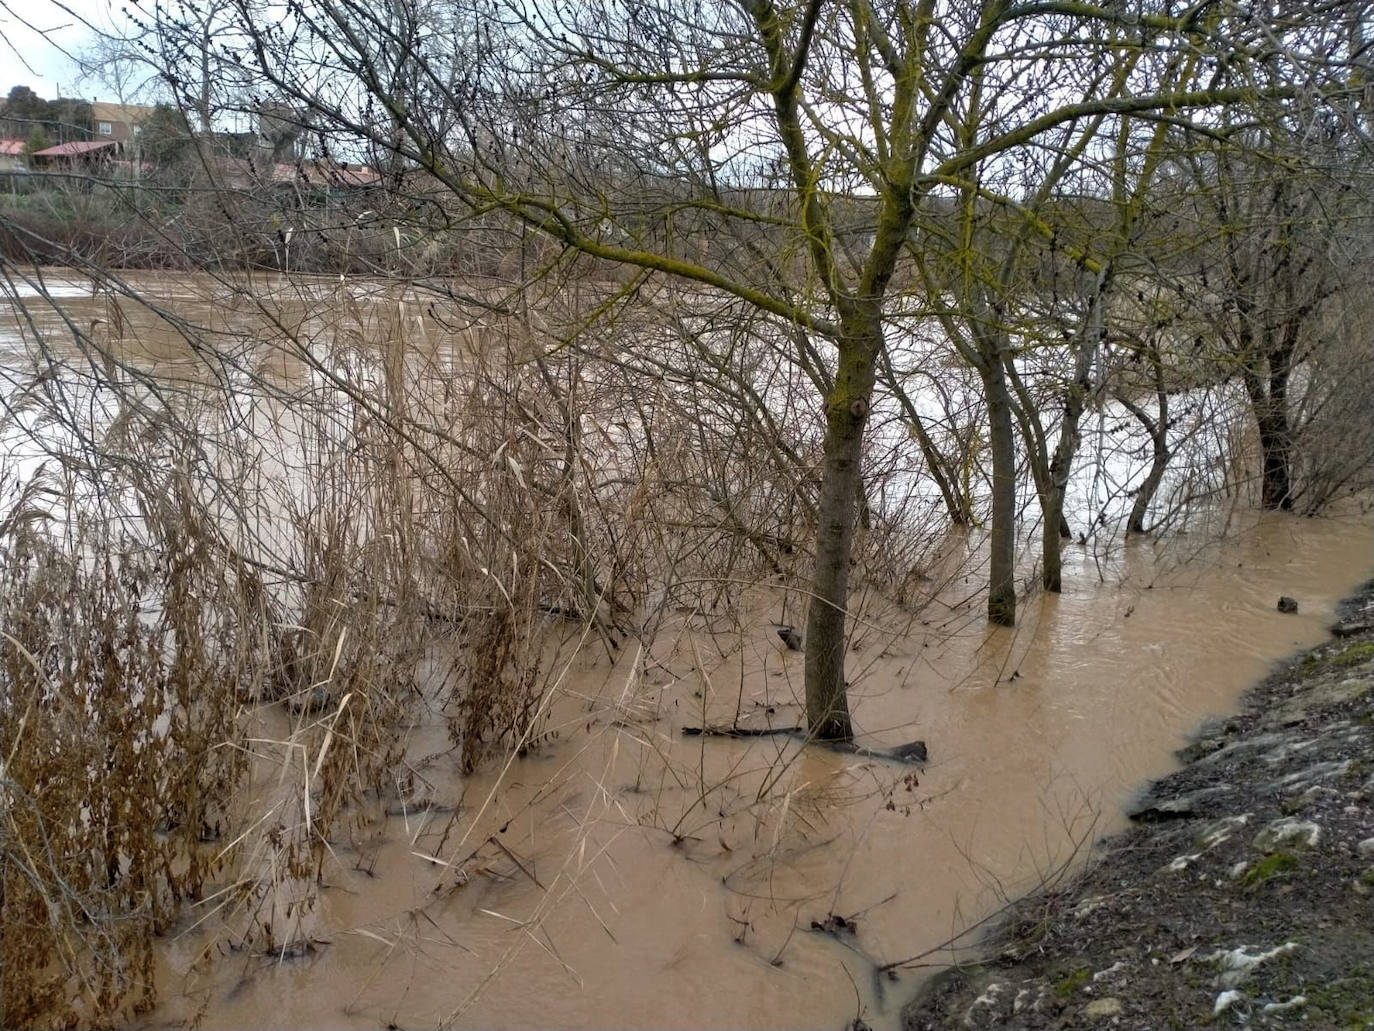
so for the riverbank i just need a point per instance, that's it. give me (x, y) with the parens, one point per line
(1242, 894)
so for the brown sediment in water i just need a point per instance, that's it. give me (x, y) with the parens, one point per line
(678, 878)
(622, 874)
(1243, 884)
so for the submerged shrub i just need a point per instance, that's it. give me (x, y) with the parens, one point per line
(115, 715)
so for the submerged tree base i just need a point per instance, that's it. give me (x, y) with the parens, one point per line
(1002, 608)
(910, 752)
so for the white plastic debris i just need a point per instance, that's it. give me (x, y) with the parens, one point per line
(1222, 829)
(1111, 971)
(987, 1000)
(1284, 1007)
(1225, 1001)
(1237, 963)
(1288, 831)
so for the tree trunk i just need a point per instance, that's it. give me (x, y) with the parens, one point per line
(203, 100)
(1276, 437)
(1056, 527)
(1158, 429)
(827, 707)
(1135, 523)
(1276, 489)
(1002, 439)
(957, 504)
(1052, 573)
(1271, 418)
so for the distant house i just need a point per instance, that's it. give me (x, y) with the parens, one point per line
(318, 177)
(83, 155)
(341, 177)
(11, 155)
(117, 122)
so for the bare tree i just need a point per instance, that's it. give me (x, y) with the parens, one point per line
(1278, 224)
(626, 134)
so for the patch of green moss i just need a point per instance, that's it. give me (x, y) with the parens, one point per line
(1270, 866)
(1069, 984)
(1354, 655)
(1348, 1001)
(1367, 878)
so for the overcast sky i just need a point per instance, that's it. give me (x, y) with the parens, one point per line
(38, 39)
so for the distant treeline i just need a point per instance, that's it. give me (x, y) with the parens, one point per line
(24, 115)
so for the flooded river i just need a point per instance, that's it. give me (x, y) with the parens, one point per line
(622, 874)
(679, 877)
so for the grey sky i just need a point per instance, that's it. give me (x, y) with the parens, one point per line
(38, 39)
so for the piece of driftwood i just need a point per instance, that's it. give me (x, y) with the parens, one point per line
(911, 752)
(729, 730)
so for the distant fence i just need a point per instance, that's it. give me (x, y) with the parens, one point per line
(19, 182)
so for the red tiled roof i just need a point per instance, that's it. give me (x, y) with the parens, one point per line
(74, 149)
(308, 172)
(11, 148)
(317, 171)
(354, 176)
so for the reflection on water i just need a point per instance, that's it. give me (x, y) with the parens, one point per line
(625, 875)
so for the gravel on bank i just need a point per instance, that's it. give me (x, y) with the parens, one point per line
(1243, 894)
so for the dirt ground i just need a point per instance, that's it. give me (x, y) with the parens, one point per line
(1243, 895)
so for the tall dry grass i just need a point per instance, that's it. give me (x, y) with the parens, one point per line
(252, 538)
(230, 580)
(122, 752)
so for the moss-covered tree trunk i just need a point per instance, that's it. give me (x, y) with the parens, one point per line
(827, 707)
(1002, 547)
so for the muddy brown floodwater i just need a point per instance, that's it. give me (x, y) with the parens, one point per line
(623, 875)
(678, 877)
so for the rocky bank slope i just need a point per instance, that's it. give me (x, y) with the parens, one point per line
(1243, 894)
